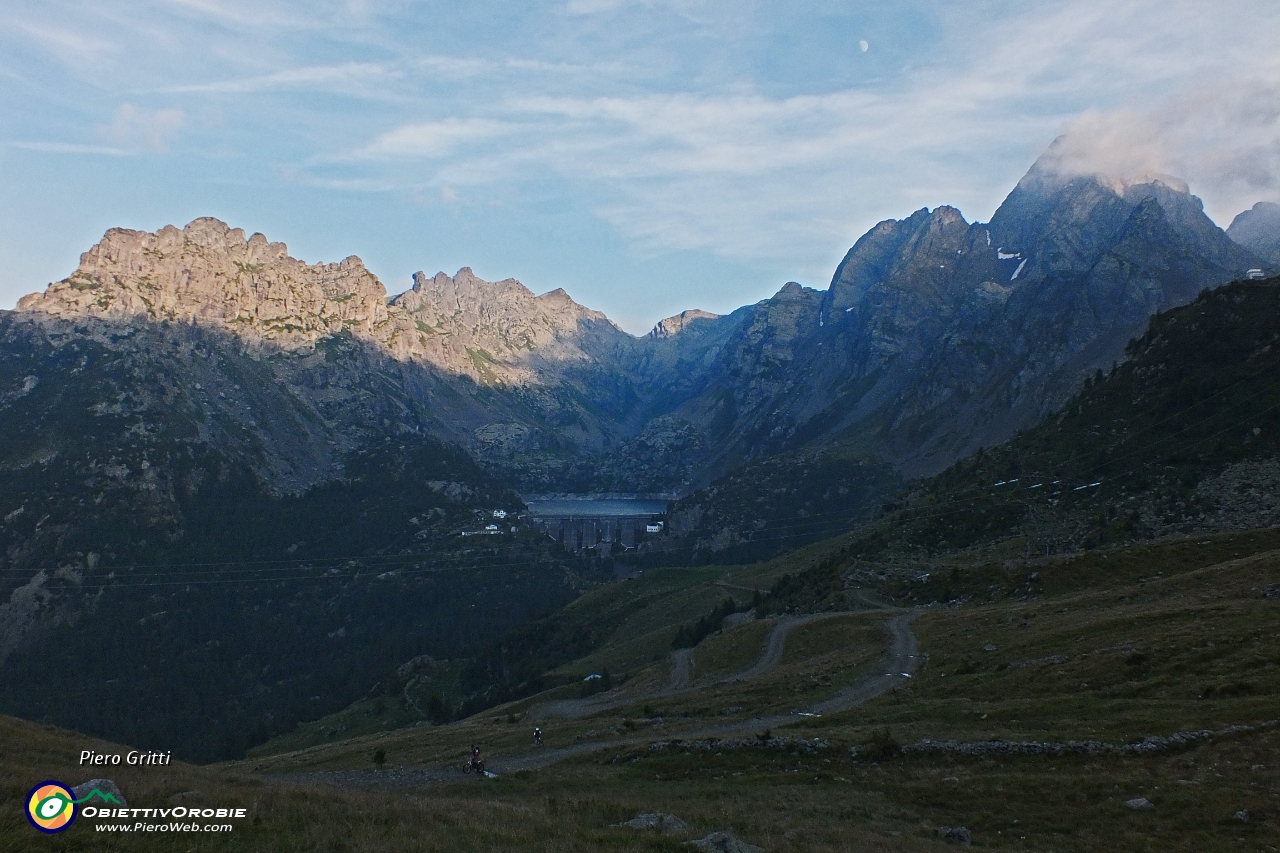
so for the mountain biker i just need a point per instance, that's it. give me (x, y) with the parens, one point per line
(537, 735)
(476, 763)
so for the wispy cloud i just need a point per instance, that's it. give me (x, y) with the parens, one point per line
(742, 175)
(255, 15)
(133, 126)
(433, 139)
(777, 178)
(346, 77)
(757, 135)
(69, 45)
(70, 148)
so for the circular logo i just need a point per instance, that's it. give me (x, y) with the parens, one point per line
(51, 807)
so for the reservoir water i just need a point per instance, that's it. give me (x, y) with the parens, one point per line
(570, 507)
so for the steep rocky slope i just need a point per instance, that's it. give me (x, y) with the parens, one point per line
(209, 274)
(938, 336)
(1182, 438)
(1258, 230)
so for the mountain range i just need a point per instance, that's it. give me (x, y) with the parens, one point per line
(935, 337)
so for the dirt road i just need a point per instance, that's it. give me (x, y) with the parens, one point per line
(775, 643)
(894, 667)
(681, 672)
(680, 680)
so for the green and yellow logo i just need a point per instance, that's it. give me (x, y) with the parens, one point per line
(51, 805)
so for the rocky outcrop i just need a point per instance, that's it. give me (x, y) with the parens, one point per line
(497, 331)
(674, 325)
(531, 385)
(938, 336)
(209, 273)
(723, 842)
(666, 824)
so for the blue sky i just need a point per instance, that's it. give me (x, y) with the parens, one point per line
(646, 156)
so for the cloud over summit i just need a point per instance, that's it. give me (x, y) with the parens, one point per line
(1223, 140)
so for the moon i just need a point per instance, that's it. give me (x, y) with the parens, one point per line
(863, 46)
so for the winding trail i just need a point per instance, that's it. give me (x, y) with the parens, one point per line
(895, 665)
(681, 679)
(775, 643)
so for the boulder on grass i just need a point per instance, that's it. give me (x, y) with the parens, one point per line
(667, 824)
(956, 835)
(723, 842)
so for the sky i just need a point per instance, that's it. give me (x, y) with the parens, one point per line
(646, 156)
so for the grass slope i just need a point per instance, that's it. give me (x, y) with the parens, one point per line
(1110, 646)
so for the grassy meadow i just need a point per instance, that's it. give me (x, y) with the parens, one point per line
(1111, 645)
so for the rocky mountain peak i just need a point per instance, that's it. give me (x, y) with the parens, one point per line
(674, 325)
(905, 271)
(790, 292)
(1258, 230)
(209, 273)
(470, 298)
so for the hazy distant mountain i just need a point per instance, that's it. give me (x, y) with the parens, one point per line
(1258, 230)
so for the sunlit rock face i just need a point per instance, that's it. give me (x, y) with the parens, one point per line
(211, 274)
